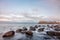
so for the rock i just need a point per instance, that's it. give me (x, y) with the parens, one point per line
(39, 25)
(48, 26)
(29, 33)
(58, 37)
(40, 29)
(21, 31)
(32, 28)
(25, 29)
(9, 34)
(36, 26)
(18, 30)
(53, 33)
(57, 29)
(56, 26)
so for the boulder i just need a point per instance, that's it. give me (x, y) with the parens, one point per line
(25, 29)
(18, 30)
(53, 33)
(9, 34)
(21, 31)
(58, 37)
(48, 25)
(29, 33)
(57, 29)
(56, 26)
(32, 28)
(40, 29)
(36, 26)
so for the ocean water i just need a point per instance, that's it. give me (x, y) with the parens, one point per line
(36, 35)
(13, 26)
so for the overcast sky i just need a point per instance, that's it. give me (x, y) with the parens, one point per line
(31, 10)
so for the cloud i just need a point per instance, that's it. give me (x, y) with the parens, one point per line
(24, 18)
(42, 10)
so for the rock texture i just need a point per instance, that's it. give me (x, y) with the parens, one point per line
(53, 33)
(9, 34)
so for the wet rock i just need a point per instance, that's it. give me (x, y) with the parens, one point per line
(39, 25)
(25, 29)
(40, 29)
(9, 34)
(48, 26)
(21, 31)
(32, 28)
(56, 26)
(58, 37)
(57, 29)
(29, 33)
(36, 26)
(53, 33)
(18, 30)
(51, 26)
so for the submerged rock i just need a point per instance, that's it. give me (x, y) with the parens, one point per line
(18, 30)
(29, 33)
(39, 25)
(57, 29)
(25, 29)
(36, 26)
(48, 25)
(40, 29)
(56, 26)
(9, 34)
(32, 28)
(53, 33)
(58, 37)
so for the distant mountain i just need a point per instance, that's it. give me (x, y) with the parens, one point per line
(48, 22)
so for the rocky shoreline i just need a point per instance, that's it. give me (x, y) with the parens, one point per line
(51, 32)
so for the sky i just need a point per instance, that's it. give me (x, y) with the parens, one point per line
(29, 10)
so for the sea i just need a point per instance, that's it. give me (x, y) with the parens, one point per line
(4, 27)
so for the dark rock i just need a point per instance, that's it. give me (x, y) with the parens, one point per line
(39, 25)
(29, 33)
(40, 29)
(25, 29)
(58, 37)
(57, 29)
(32, 28)
(36, 26)
(18, 30)
(21, 31)
(56, 26)
(53, 33)
(48, 26)
(9, 34)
